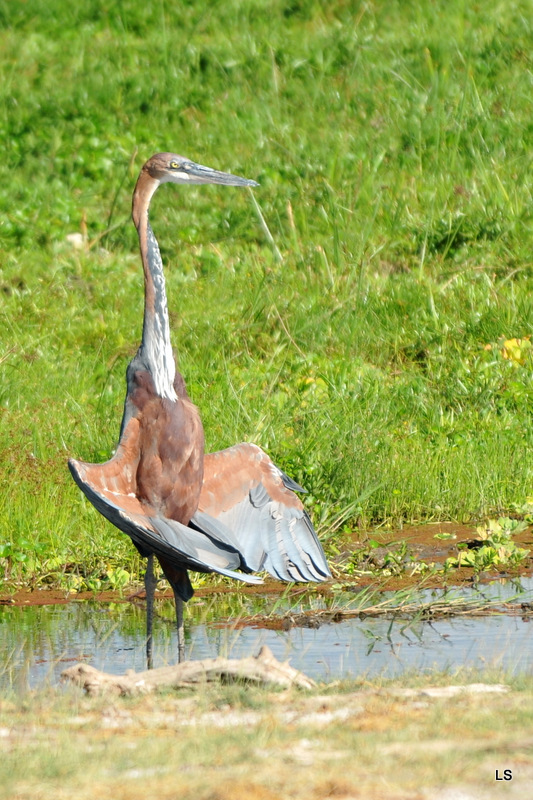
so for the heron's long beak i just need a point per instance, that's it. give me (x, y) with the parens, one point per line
(197, 173)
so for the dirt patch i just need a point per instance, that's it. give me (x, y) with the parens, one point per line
(423, 546)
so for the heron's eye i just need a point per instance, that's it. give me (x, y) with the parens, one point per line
(174, 165)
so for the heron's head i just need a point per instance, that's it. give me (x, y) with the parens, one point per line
(171, 168)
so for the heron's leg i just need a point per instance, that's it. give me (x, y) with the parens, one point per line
(149, 585)
(181, 629)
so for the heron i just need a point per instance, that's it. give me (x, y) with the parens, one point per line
(232, 512)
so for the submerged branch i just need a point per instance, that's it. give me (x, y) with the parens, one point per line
(457, 607)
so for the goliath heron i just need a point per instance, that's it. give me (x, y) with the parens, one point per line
(215, 512)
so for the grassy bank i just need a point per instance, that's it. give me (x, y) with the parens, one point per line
(392, 142)
(357, 740)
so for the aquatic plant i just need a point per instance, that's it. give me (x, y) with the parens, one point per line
(494, 548)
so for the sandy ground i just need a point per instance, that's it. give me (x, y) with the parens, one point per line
(422, 743)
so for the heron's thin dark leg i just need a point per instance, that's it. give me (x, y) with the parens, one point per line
(181, 629)
(149, 585)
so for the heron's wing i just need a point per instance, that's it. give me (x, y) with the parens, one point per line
(248, 502)
(109, 487)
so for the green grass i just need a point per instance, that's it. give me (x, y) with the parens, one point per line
(392, 142)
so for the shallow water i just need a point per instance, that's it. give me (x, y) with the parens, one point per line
(38, 642)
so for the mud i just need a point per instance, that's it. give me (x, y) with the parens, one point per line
(424, 547)
(421, 546)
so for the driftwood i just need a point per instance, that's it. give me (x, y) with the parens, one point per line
(261, 669)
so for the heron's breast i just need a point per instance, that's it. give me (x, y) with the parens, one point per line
(170, 470)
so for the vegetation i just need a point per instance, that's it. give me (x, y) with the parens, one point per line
(495, 547)
(365, 739)
(379, 351)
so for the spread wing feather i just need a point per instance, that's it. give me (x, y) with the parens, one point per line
(248, 516)
(178, 544)
(244, 495)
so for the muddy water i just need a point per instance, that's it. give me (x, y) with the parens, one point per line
(37, 643)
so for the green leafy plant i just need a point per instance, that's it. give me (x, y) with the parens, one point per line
(497, 548)
(118, 578)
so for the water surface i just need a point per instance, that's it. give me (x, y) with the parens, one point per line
(38, 642)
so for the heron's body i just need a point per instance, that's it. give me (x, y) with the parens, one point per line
(222, 512)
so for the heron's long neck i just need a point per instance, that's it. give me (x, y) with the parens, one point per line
(156, 347)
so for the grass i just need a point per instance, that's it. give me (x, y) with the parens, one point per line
(364, 739)
(365, 350)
